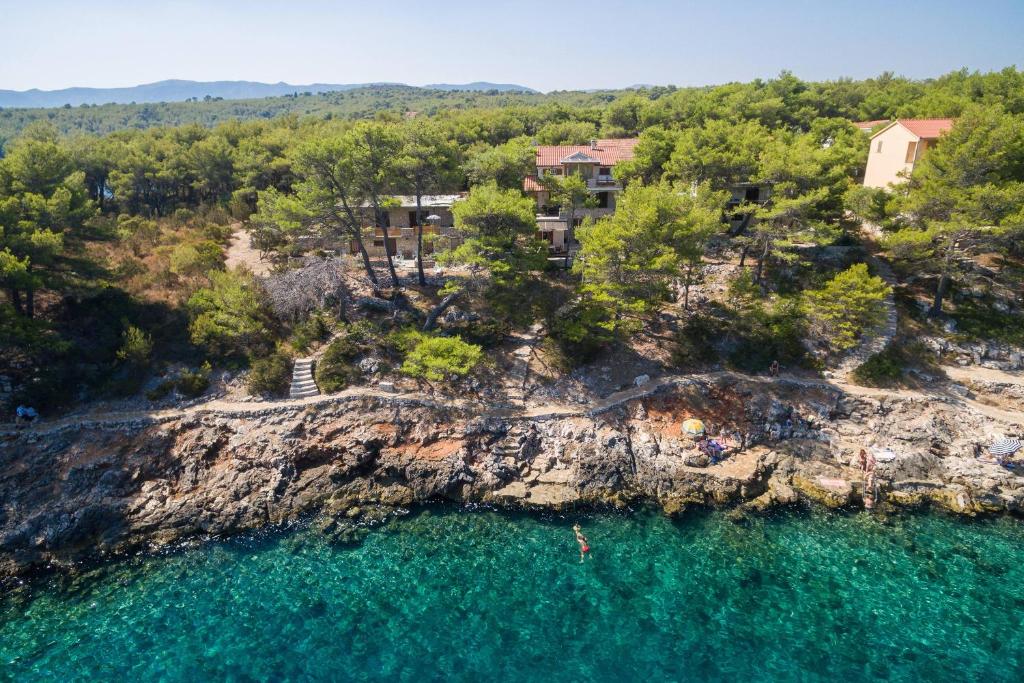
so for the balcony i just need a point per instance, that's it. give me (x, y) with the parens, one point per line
(410, 232)
(602, 182)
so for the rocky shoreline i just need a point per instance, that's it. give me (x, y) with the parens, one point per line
(90, 489)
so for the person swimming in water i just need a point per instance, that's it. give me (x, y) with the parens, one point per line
(582, 540)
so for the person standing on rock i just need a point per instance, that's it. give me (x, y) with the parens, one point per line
(582, 540)
(867, 465)
(867, 461)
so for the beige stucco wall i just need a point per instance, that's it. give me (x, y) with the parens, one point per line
(885, 166)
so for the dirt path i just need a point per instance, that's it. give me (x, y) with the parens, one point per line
(241, 253)
(977, 373)
(552, 410)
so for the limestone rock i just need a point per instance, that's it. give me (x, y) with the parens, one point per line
(91, 487)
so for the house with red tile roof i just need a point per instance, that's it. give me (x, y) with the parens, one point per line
(595, 162)
(897, 147)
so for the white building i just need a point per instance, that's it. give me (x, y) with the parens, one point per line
(896, 149)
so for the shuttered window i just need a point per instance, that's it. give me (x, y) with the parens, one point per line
(911, 152)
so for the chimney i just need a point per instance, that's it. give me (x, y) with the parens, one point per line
(593, 143)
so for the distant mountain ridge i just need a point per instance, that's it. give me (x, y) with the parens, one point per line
(181, 90)
(481, 85)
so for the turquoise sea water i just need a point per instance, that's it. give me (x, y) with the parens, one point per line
(455, 595)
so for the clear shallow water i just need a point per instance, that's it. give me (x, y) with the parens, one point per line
(487, 596)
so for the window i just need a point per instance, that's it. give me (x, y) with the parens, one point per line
(752, 194)
(879, 148)
(602, 200)
(911, 152)
(604, 170)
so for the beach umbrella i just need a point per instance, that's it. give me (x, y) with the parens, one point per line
(693, 427)
(1004, 447)
(433, 217)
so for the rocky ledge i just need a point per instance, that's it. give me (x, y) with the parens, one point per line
(100, 488)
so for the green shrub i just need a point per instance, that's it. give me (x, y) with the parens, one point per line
(138, 233)
(220, 234)
(230, 318)
(978, 320)
(137, 347)
(440, 358)
(695, 342)
(217, 215)
(888, 367)
(848, 305)
(402, 341)
(190, 260)
(487, 333)
(182, 216)
(189, 383)
(583, 329)
(161, 390)
(761, 336)
(883, 369)
(335, 369)
(305, 334)
(192, 383)
(556, 356)
(742, 288)
(270, 375)
(127, 376)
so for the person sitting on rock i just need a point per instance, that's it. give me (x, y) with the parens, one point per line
(714, 450)
(24, 416)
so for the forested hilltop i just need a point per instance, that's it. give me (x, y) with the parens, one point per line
(887, 96)
(361, 102)
(115, 230)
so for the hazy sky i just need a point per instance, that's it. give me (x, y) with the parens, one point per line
(551, 44)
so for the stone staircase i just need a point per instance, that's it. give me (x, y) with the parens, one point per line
(303, 384)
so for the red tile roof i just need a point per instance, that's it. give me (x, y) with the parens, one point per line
(926, 128)
(868, 125)
(530, 184)
(607, 152)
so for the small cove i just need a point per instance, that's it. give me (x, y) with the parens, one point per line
(447, 594)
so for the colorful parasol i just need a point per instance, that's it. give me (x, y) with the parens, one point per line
(693, 427)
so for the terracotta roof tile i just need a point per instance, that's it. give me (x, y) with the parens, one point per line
(607, 152)
(530, 184)
(868, 125)
(926, 128)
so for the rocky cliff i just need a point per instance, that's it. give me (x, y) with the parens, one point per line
(105, 487)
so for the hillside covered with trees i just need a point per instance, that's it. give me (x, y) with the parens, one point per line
(115, 222)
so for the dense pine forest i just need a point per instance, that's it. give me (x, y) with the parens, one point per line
(115, 222)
